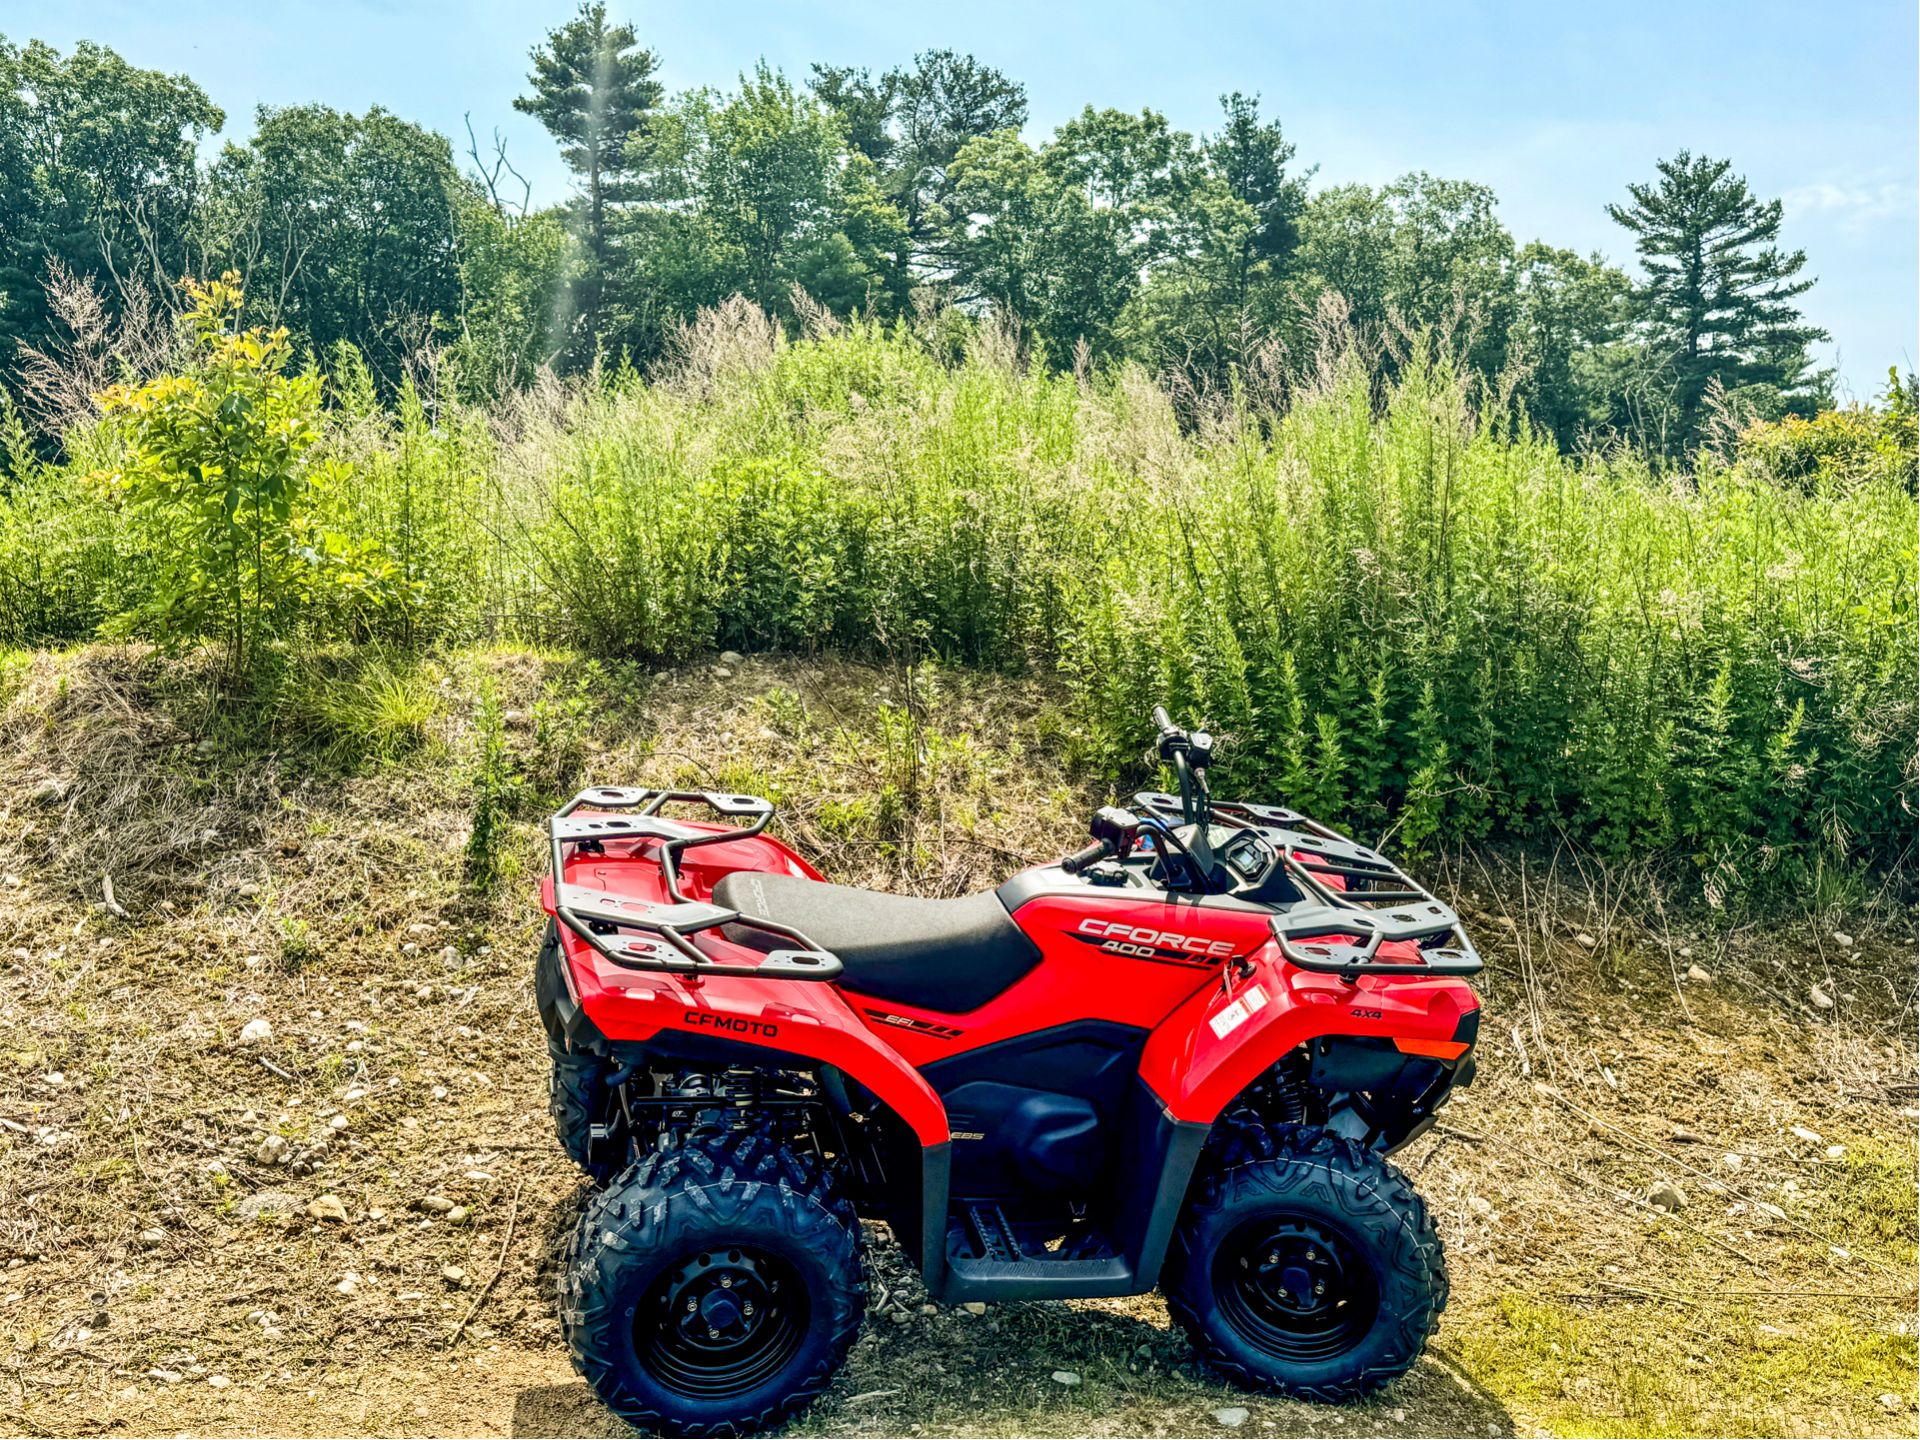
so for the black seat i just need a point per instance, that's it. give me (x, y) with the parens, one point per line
(945, 955)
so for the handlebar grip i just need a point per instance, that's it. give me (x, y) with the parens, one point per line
(1162, 719)
(1086, 855)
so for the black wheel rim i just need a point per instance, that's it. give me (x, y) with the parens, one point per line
(721, 1322)
(1296, 1289)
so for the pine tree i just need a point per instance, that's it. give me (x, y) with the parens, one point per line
(593, 88)
(1717, 302)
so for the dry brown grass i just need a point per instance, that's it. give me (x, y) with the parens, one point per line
(327, 896)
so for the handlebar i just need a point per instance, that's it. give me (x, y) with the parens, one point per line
(1087, 855)
(1163, 720)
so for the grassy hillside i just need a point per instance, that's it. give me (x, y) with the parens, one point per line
(1400, 617)
(163, 1271)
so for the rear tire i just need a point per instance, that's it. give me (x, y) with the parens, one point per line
(1306, 1263)
(713, 1289)
(578, 1096)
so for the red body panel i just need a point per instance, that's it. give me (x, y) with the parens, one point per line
(1222, 1040)
(1164, 965)
(813, 1020)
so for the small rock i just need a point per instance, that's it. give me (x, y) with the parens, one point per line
(1772, 1212)
(439, 1092)
(273, 1150)
(1665, 1195)
(349, 1283)
(454, 1276)
(165, 1377)
(1836, 1152)
(1732, 1161)
(1843, 940)
(439, 1204)
(1684, 1136)
(152, 1237)
(1480, 1205)
(327, 1207)
(929, 1309)
(1585, 941)
(480, 1177)
(338, 1122)
(1233, 1416)
(722, 672)
(256, 1032)
(1889, 1401)
(1801, 1132)
(266, 1202)
(247, 890)
(457, 1215)
(1698, 975)
(974, 1307)
(1686, 952)
(450, 957)
(1065, 1377)
(1820, 998)
(218, 1382)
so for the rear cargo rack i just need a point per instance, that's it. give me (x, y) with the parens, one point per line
(1354, 899)
(649, 935)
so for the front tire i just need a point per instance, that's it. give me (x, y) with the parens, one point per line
(713, 1289)
(1306, 1264)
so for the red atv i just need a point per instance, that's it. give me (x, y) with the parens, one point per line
(1179, 1056)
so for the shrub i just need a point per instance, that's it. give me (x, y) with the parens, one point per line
(213, 464)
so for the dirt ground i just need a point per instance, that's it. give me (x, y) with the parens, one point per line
(348, 1226)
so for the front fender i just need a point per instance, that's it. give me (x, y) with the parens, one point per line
(1224, 1037)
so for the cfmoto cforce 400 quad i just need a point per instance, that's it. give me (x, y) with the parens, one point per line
(1178, 1057)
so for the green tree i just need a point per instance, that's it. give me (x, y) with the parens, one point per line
(756, 192)
(217, 464)
(593, 88)
(1029, 242)
(513, 268)
(346, 227)
(1346, 246)
(1230, 240)
(1251, 156)
(1716, 307)
(1422, 255)
(1452, 266)
(1569, 316)
(97, 173)
(912, 123)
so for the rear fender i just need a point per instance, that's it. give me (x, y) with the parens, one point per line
(787, 1020)
(1224, 1037)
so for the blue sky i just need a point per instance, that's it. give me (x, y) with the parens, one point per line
(1556, 107)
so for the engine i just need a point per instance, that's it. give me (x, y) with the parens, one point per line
(681, 1104)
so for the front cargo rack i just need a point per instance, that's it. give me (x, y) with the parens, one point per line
(656, 935)
(1353, 899)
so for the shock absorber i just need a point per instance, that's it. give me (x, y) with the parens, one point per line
(1289, 1092)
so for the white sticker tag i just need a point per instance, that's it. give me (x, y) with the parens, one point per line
(1252, 1000)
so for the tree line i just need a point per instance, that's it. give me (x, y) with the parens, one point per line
(904, 196)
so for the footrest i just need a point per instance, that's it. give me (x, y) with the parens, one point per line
(992, 1233)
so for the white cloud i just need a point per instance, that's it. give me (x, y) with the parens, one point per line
(1851, 202)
